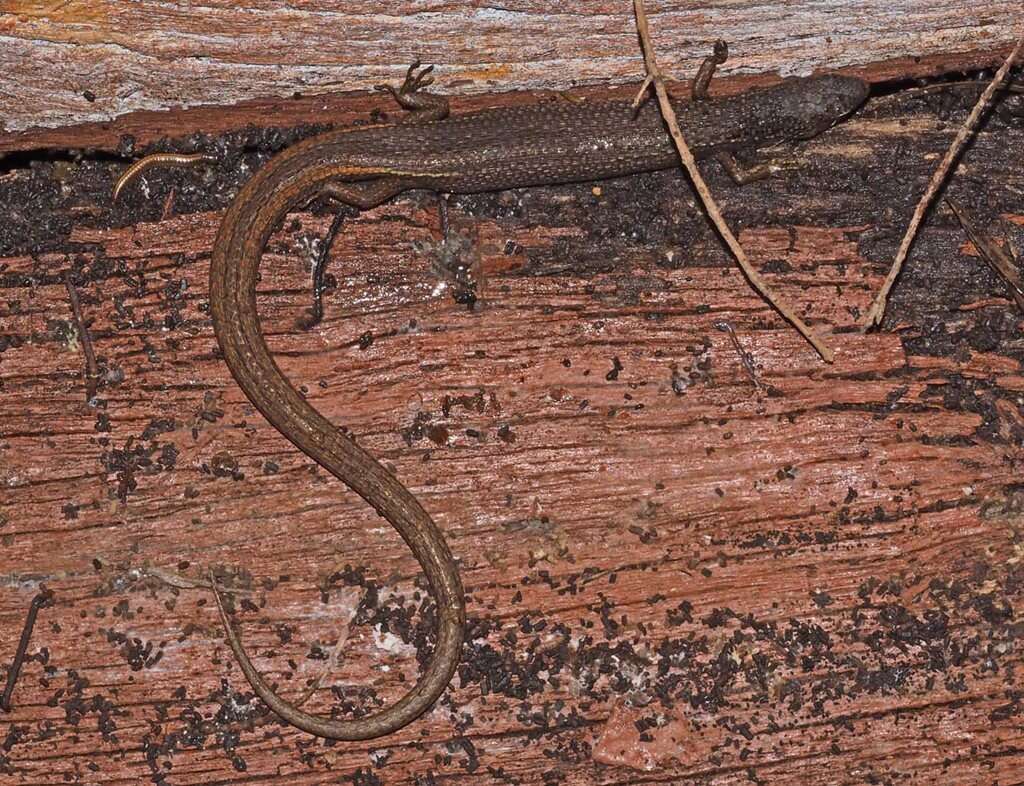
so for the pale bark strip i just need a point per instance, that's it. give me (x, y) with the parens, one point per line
(66, 63)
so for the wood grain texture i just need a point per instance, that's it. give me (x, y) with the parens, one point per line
(73, 62)
(670, 574)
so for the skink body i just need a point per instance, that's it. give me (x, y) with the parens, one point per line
(548, 143)
(562, 142)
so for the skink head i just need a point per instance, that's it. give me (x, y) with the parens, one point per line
(825, 100)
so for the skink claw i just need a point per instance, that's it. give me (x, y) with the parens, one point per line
(414, 81)
(411, 94)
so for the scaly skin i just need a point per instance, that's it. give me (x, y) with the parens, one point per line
(548, 143)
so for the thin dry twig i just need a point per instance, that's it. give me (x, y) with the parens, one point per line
(994, 256)
(655, 78)
(942, 87)
(877, 310)
(334, 656)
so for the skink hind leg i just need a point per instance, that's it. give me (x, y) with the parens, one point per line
(362, 195)
(366, 193)
(424, 106)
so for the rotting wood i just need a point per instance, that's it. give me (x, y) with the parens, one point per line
(938, 178)
(991, 253)
(129, 132)
(666, 570)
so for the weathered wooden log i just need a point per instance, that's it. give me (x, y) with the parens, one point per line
(675, 568)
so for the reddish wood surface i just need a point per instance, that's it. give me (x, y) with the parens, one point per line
(670, 575)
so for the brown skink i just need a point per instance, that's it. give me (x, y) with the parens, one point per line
(512, 147)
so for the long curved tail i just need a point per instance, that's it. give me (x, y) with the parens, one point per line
(288, 181)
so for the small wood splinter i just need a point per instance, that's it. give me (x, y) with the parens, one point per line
(44, 598)
(993, 255)
(745, 357)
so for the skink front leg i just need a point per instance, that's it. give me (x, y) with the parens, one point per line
(699, 87)
(425, 107)
(741, 173)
